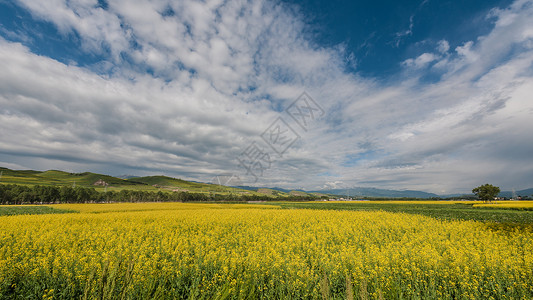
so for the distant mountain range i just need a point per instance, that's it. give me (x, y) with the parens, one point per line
(355, 192)
(523, 193)
(375, 192)
(385, 193)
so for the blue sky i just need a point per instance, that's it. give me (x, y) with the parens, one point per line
(381, 34)
(425, 95)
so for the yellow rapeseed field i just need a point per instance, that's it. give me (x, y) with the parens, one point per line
(508, 204)
(196, 251)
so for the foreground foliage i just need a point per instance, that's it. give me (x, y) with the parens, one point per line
(196, 251)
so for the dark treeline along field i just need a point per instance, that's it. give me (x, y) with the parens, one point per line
(39, 194)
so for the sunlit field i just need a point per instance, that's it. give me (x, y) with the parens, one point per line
(215, 251)
(526, 205)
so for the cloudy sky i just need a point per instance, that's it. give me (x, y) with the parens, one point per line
(427, 95)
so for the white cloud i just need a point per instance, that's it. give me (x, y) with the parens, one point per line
(443, 46)
(402, 34)
(99, 28)
(438, 59)
(466, 52)
(421, 61)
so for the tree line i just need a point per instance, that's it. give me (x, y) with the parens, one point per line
(41, 194)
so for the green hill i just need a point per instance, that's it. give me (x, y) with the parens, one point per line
(25, 177)
(175, 184)
(166, 181)
(271, 192)
(55, 177)
(84, 179)
(298, 193)
(110, 183)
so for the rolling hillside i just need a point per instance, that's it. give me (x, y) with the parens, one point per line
(110, 183)
(55, 177)
(177, 185)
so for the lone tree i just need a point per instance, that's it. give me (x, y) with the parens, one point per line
(486, 192)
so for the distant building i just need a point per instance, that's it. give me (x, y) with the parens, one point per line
(100, 182)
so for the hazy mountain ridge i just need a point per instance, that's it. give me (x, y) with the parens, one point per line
(523, 193)
(376, 192)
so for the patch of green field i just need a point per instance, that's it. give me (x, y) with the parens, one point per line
(8, 210)
(458, 211)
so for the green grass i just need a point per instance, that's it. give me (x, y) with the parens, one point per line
(439, 211)
(30, 210)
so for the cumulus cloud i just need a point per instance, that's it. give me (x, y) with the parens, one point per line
(200, 107)
(188, 85)
(478, 107)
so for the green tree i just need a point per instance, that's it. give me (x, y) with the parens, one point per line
(486, 192)
(67, 194)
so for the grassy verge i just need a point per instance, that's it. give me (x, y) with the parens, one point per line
(11, 210)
